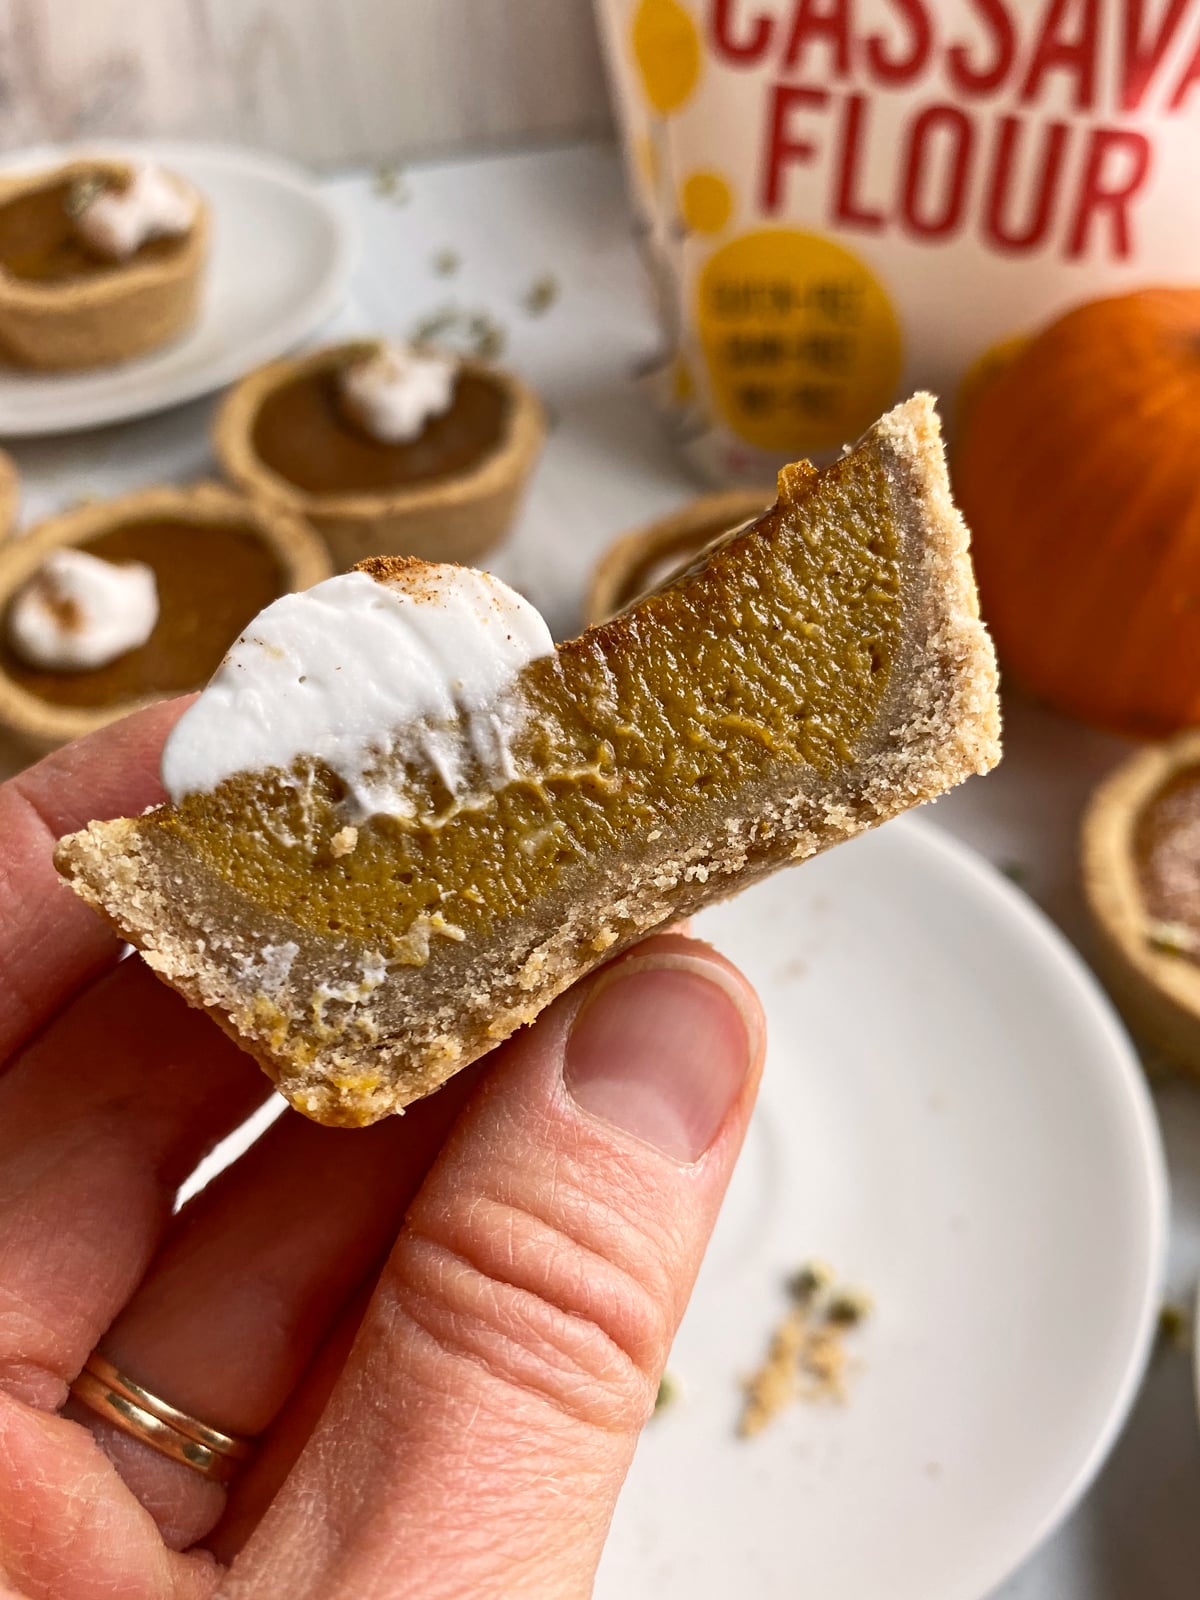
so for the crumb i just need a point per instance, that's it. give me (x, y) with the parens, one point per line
(446, 263)
(542, 294)
(773, 1386)
(1174, 1327)
(807, 1358)
(1015, 871)
(792, 969)
(343, 842)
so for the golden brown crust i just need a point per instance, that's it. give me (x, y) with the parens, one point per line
(1158, 992)
(459, 519)
(300, 552)
(112, 317)
(620, 576)
(10, 495)
(361, 1047)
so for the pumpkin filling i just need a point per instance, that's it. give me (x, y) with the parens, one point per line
(212, 579)
(779, 651)
(302, 433)
(1167, 856)
(39, 242)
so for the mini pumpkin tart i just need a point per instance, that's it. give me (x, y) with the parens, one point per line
(100, 261)
(402, 821)
(641, 561)
(1141, 878)
(386, 449)
(120, 602)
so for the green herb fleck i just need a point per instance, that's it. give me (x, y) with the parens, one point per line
(810, 1280)
(1174, 1327)
(668, 1394)
(1172, 938)
(390, 183)
(849, 1307)
(542, 294)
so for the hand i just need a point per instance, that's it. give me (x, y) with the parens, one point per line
(445, 1331)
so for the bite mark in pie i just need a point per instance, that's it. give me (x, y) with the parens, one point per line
(367, 919)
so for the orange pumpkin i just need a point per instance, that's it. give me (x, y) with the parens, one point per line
(1078, 470)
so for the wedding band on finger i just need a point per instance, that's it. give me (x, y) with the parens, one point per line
(113, 1395)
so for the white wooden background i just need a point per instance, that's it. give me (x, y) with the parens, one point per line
(329, 82)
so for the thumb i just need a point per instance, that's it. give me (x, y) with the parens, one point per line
(482, 1427)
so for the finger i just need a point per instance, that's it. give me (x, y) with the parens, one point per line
(101, 1119)
(68, 1530)
(489, 1410)
(248, 1282)
(51, 944)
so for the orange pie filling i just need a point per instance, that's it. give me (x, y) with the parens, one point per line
(635, 734)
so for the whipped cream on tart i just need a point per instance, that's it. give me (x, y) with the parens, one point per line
(401, 822)
(100, 260)
(387, 449)
(79, 612)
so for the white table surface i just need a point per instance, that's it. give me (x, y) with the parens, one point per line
(511, 220)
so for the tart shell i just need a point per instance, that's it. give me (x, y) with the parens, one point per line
(41, 725)
(10, 495)
(109, 318)
(621, 575)
(458, 519)
(1158, 992)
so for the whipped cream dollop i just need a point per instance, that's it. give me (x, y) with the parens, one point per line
(115, 222)
(357, 671)
(392, 393)
(78, 612)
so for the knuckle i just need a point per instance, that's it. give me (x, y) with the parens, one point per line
(537, 1302)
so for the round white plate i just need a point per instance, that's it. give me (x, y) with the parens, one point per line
(280, 265)
(953, 1117)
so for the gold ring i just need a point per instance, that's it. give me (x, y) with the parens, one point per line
(119, 1400)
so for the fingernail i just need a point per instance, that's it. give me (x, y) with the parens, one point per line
(661, 1048)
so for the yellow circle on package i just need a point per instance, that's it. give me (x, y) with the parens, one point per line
(800, 340)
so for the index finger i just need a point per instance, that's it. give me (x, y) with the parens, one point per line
(51, 944)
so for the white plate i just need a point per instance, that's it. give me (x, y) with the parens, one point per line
(280, 265)
(952, 1115)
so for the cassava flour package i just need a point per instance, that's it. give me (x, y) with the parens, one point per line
(844, 200)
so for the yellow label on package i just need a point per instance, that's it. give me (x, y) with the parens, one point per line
(844, 200)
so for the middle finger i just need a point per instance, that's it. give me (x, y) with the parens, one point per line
(101, 1119)
(251, 1276)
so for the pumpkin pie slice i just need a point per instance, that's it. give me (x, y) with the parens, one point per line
(386, 449)
(402, 822)
(100, 261)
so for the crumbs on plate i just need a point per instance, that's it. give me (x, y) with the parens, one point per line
(808, 1358)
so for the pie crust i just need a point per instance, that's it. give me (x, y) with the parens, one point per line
(297, 548)
(455, 519)
(1157, 990)
(10, 495)
(114, 316)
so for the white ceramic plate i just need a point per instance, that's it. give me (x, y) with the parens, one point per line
(280, 265)
(952, 1115)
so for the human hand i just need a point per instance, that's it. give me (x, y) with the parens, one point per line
(445, 1331)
